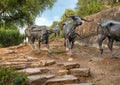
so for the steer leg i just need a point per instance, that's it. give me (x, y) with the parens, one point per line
(70, 44)
(110, 44)
(56, 35)
(47, 45)
(64, 41)
(100, 40)
(67, 43)
(39, 45)
(32, 40)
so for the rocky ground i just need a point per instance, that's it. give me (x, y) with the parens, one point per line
(86, 67)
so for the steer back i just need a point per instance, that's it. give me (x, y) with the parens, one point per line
(115, 32)
(36, 31)
(104, 26)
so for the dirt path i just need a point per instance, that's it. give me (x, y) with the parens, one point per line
(105, 70)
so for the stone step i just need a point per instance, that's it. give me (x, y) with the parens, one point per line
(47, 62)
(69, 65)
(7, 58)
(33, 71)
(39, 79)
(81, 84)
(63, 72)
(14, 63)
(30, 58)
(35, 64)
(84, 72)
(18, 60)
(61, 80)
(17, 67)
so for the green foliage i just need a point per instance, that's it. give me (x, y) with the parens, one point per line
(8, 76)
(10, 37)
(22, 12)
(58, 51)
(67, 12)
(53, 24)
(88, 7)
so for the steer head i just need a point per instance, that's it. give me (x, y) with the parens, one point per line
(45, 36)
(77, 19)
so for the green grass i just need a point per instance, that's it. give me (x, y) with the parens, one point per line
(58, 51)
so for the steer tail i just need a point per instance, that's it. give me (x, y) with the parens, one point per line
(78, 35)
(98, 30)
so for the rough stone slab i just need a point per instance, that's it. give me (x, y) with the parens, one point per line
(17, 67)
(7, 58)
(69, 65)
(21, 66)
(81, 84)
(7, 51)
(31, 58)
(14, 63)
(62, 72)
(47, 62)
(33, 71)
(35, 64)
(39, 79)
(61, 80)
(85, 72)
(18, 60)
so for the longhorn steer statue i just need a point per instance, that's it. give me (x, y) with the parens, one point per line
(69, 32)
(56, 30)
(108, 29)
(40, 33)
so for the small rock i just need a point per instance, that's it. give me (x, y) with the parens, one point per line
(39, 79)
(62, 72)
(81, 84)
(85, 72)
(61, 80)
(47, 62)
(69, 65)
(33, 71)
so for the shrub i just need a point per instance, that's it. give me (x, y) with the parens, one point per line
(8, 76)
(10, 37)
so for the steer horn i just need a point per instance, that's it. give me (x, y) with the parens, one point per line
(87, 20)
(71, 16)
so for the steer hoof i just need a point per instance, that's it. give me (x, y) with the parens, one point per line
(49, 51)
(38, 51)
(71, 55)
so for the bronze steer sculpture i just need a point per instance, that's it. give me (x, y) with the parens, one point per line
(56, 30)
(69, 32)
(108, 29)
(40, 33)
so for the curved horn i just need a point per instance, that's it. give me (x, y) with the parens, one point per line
(86, 20)
(66, 15)
(71, 16)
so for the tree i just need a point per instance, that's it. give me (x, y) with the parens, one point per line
(88, 7)
(22, 12)
(53, 24)
(67, 12)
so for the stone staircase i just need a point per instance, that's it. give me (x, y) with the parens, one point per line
(48, 72)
